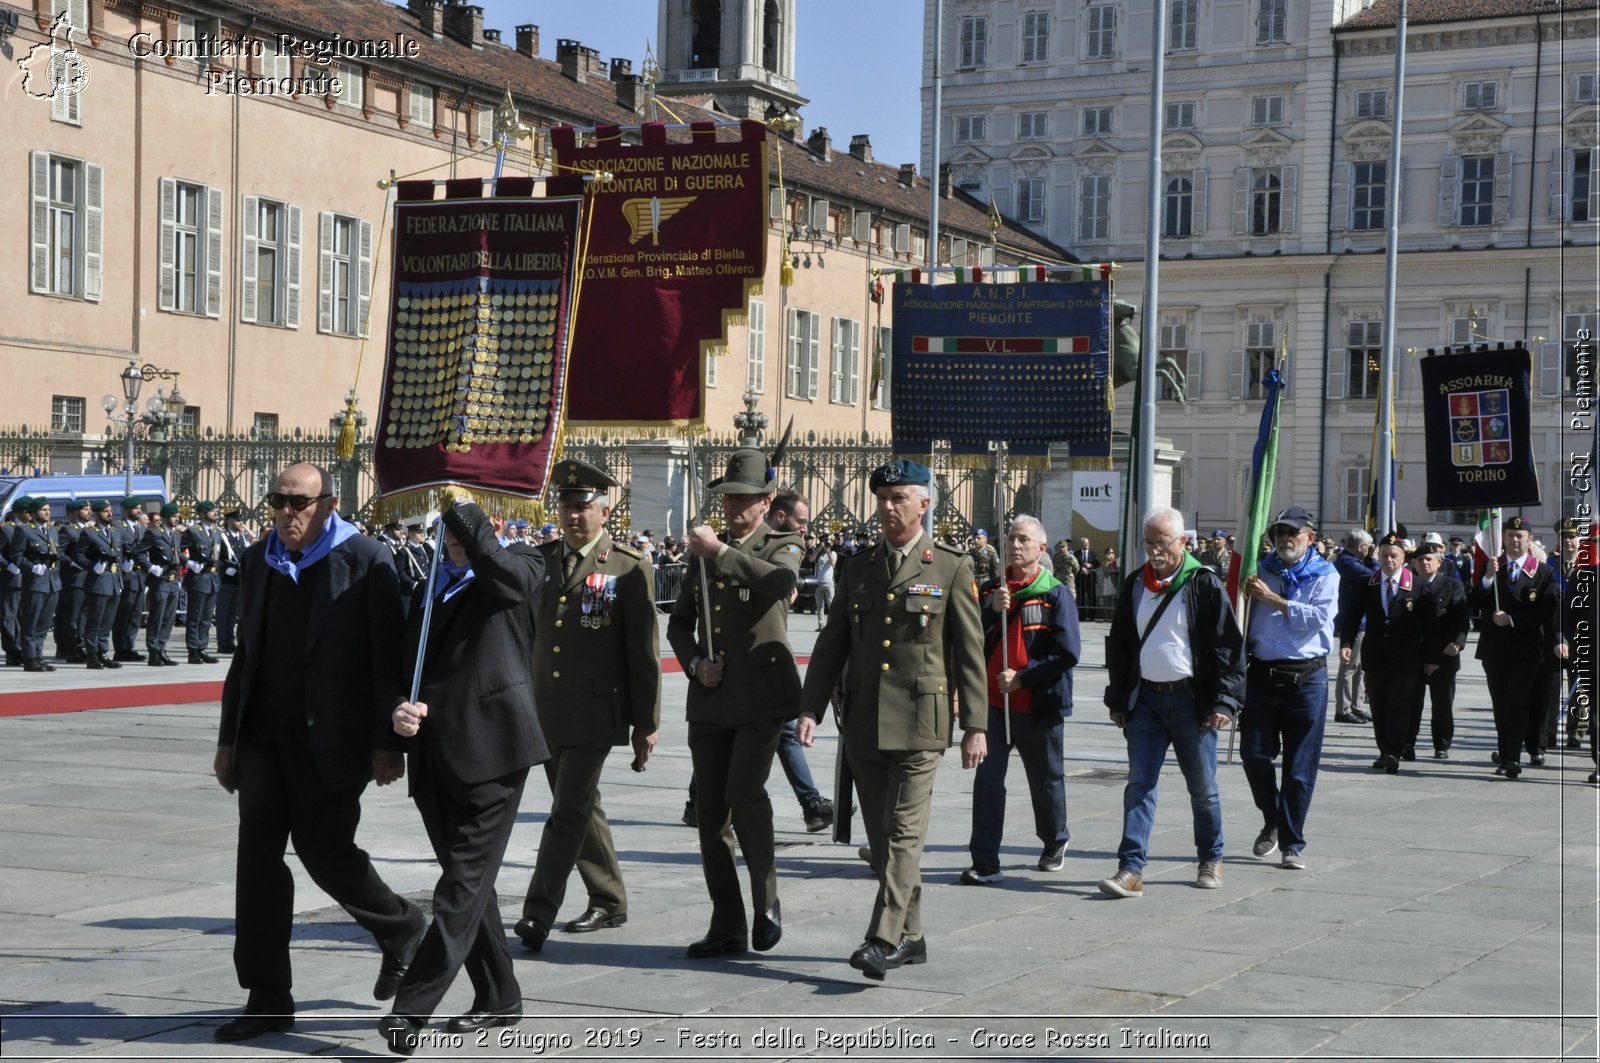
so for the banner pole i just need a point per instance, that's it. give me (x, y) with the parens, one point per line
(427, 608)
(695, 521)
(1005, 616)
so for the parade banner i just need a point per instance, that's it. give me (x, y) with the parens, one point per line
(478, 334)
(1476, 412)
(676, 246)
(1024, 364)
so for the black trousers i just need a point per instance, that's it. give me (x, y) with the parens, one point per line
(731, 765)
(130, 611)
(281, 798)
(69, 620)
(1511, 692)
(227, 615)
(1390, 690)
(1440, 689)
(10, 629)
(469, 825)
(1546, 705)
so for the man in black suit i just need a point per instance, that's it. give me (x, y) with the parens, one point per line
(470, 739)
(1391, 652)
(315, 674)
(1445, 620)
(235, 540)
(1088, 566)
(1518, 599)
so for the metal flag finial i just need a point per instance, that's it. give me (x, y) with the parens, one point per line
(508, 125)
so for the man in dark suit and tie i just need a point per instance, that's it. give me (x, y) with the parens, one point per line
(1445, 620)
(1088, 566)
(1391, 652)
(729, 630)
(315, 675)
(1518, 599)
(597, 679)
(469, 738)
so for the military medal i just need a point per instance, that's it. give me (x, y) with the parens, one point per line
(744, 594)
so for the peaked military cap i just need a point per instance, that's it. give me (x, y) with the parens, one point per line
(1567, 526)
(1515, 524)
(233, 514)
(578, 481)
(904, 471)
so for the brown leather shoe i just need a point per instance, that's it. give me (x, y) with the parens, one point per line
(1124, 883)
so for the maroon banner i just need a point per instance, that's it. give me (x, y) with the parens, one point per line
(475, 381)
(677, 240)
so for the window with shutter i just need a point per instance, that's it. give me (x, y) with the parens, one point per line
(1357, 488)
(1449, 188)
(1241, 200)
(1035, 36)
(1030, 199)
(1477, 190)
(1266, 201)
(1260, 355)
(1183, 26)
(1201, 182)
(1363, 359)
(1101, 34)
(325, 272)
(1372, 103)
(291, 270)
(1369, 193)
(1180, 115)
(1032, 125)
(1586, 88)
(422, 105)
(1097, 121)
(974, 42)
(1094, 207)
(352, 86)
(213, 254)
(93, 230)
(249, 258)
(1480, 95)
(1175, 345)
(1272, 22)
(65, 223)
(813, 353)
(755, 371)
(712, 368)
(882, 345)
(358, 326)
(167, 250)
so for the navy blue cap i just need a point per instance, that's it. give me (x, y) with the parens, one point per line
(1296, 517)
(904, 471)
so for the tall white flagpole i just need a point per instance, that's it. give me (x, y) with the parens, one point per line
(1384, 486)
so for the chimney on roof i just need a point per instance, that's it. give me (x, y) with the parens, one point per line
(577, 62)
(528, 40)
(820, 143)
(491, 36)
(861, 147)
(620, 68)
(944, 180)
(429, 15)
(908, 174)
(464, 22)
(630, 89)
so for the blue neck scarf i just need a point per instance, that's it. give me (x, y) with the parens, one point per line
(1313, 566)
(451, 578)
(334, 532)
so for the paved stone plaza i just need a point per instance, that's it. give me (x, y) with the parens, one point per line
(1444, 913)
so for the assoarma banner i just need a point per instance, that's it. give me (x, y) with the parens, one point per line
(477, 361)
(1023, 364)
(1476, 411)
(676, 246)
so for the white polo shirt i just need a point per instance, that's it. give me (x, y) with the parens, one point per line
(1167, 655)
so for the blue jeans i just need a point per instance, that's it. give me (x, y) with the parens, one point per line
(1159, 721)
(1038, 742)
(792, 757)
(1289, 721)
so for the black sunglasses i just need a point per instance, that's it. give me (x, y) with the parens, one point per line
(298, 503)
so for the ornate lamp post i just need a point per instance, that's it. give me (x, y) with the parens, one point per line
(750, 422)
(162, 411)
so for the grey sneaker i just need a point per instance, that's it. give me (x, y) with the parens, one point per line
(1124, 883)
(1054, 857)
(980, 876)
(1266, 842)
(1210, 876)
(1293, 861)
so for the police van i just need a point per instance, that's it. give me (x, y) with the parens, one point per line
(59, 489)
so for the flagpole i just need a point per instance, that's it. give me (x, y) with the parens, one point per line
(1385, 455)
(700, 564)
(427, 607)
(1148, 334)
(1005, 615)
(938, 107)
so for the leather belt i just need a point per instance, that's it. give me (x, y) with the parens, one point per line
(1163, 688)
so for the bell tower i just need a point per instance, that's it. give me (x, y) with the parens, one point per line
(739, 52)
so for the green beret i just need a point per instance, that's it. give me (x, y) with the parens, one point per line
(205, 507)
(170, 509)
(100, 505)
(132, 503)
(72, 505)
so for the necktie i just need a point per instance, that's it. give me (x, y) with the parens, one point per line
(569, 565)
(895, 558)
(1388, 594)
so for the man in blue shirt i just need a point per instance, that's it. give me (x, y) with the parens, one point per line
(1293, 595)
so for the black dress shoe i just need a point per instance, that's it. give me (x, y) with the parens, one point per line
(531, 934)
(168, 661)
(908, 953)
(107, 662)
(95, 663)
(155, 661)
(1391, 764)
(401, 1033)
(595, 919)
(194, 658)
(717, 945)
(872, 959)
(485, 1018)
(1409, 754)
(1537, 760)
(1513, 770)
(13, 659)
(396, 963)
(1380, 763)
(31, 665)
(206, 658)
(767, 930)
(250, 1025)
(1441, 754)
(128, 655)
(75, 658)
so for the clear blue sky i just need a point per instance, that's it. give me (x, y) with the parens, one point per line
(859, 61)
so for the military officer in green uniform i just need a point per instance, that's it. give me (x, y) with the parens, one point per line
(597, 684)
(730, 632)
(906, 633)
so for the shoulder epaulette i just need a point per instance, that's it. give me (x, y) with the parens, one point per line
(947, 548)
(627, 551)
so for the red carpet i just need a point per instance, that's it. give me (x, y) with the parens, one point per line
(112, 696)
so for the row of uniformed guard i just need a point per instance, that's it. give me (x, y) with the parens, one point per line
(93, 578)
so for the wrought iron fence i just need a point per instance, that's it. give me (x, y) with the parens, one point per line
(237, 470)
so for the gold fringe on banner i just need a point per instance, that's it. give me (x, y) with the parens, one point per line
(416, 501)
(1090, 464)
(1028, 462)
(971, 461)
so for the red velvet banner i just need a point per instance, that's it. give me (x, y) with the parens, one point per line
(475, 380)
(677, 240)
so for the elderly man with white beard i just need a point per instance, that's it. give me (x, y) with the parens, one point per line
(1294, 593)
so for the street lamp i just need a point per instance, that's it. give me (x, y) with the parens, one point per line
(163, 410)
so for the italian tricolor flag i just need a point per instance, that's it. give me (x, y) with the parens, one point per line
(1486, 543)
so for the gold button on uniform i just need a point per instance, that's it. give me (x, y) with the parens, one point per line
(555, 649)
(558, 623)
(555, 675)
(891, 596)
(887, 644)
(561, 600)
(888, 620)
(885, 666)
(716, 631)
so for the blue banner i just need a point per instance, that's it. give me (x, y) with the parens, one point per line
(1476, 410)
(1022, 364)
